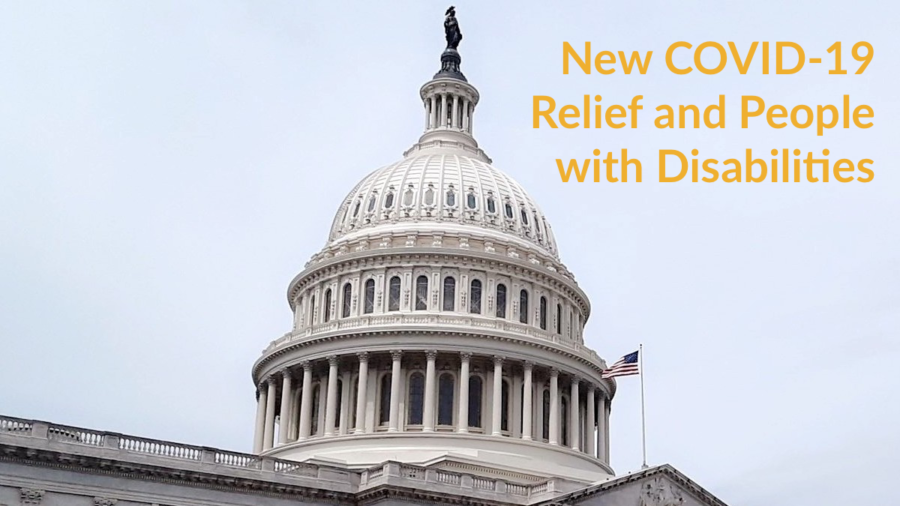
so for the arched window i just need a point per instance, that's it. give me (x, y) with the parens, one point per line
(429, 195)
(315, 410)
(312, 310)
(327, 305)
(475, 297)
(347, 300)
(451, 197)
(491, 205)
(501, 301)
(421, 293)
(356, 208)
(475, 391)
(559, 319)
(470, 201)
(545, 430)
(504, 406)
(524, 217)
(371, 203)
(564, 422)
(446, 388)
(449, 293)
(416, 399)
(394, 294)
(389, 200)
(523, 306)
(384, 408)
(543, 313)
(408, 195)
(370, 297)
(507, 208)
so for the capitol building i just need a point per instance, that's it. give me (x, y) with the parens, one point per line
(436, 355)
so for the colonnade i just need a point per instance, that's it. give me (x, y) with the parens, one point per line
(449, 110)
(431, 391)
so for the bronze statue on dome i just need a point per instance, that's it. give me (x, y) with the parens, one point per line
(451, 29)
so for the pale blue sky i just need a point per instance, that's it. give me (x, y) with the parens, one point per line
(167, 167)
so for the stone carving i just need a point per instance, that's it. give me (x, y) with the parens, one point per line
(659, 492)
(31, 495)
(104, 501)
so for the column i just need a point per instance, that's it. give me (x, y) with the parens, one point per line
(443, 109)
(464, 111)
(260, 417)
(471, 112)
(361, 387)
(554, 406)
(345, 403)
(269, 434)
(285, 415)
(496, 412)
(527, 398)
(462, 422)
(574, 415)
(428, 414)
(306, 402)
(456, 114)
(606, 410)
(395, 391)
(589, 445)
(331, 403)
(427, 113)
(602, 423)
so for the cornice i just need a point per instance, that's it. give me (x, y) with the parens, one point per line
(169, 475)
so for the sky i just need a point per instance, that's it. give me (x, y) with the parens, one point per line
(167, 167)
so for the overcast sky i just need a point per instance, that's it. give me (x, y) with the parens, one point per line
(167, 167)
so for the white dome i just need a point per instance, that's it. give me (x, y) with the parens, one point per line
(443, 191)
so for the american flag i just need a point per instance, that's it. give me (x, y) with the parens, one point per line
(625, 366)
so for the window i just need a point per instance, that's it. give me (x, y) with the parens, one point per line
(523, 306)
(491, 205)
(429, 195)
(524, 217)
(312, 310)
(475, 297)
(408, 196)
(559, 319)
(449, 293)
(421, 293)
(501, 301)
(389, 200)
(372, 203)
(546, 415)
(384, 408)
(347, 300)
(504, 406)
(543, 313)
(370, 297)
(340, 393)
(314, 429)
(356, 208)
(470, 201)
(564, 422)
(394, 294)
(451, 197)
(507, 208)
(328, 305)
(416, 399)
(446, 388)
(475, 392)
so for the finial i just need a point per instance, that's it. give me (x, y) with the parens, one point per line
(450, 58)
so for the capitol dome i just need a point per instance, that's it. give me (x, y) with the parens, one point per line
(437, 326)
(448, 191)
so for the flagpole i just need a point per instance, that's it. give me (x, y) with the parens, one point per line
(643, 417)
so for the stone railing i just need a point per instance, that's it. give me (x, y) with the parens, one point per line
(453, 320)
(442, 480)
